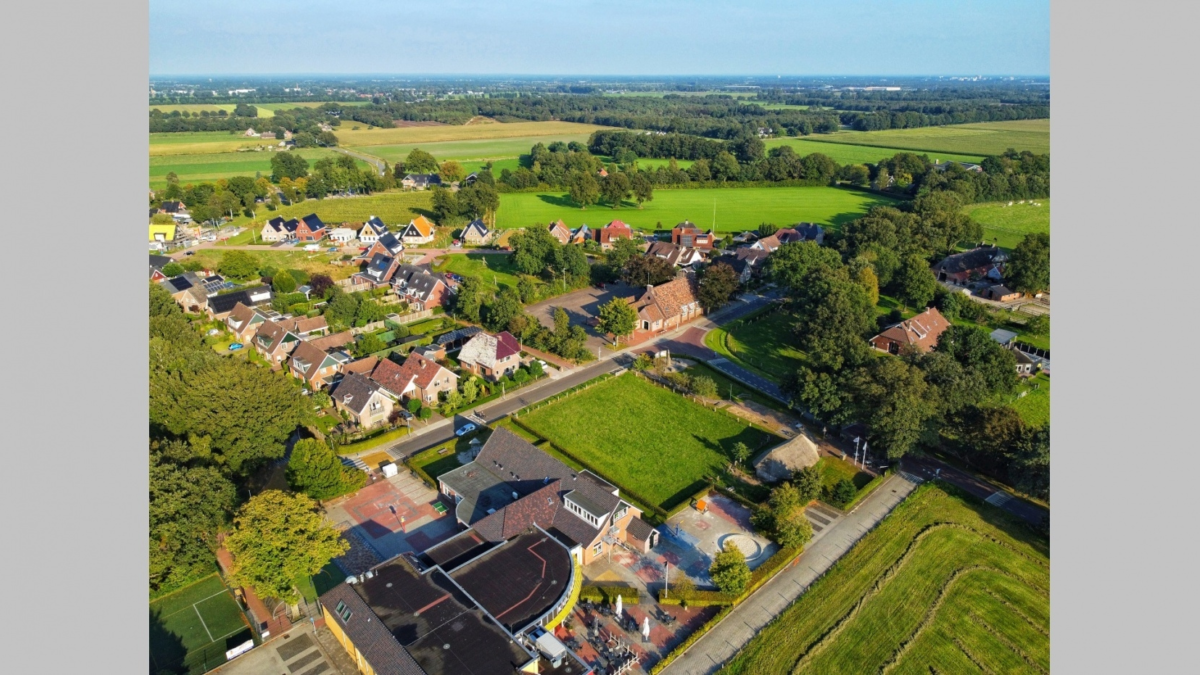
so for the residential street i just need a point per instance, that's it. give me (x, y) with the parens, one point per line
(724, 641)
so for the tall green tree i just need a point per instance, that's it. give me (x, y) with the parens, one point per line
(238, 265)
(583, 188)
(646, 270)
(894, 400)
(279, 539)
(500, 312)
(914, 282)
(189, 504)
(419, 161)
(791, 264)
(469, 301)
(643, 188)
(618, 317)
(718, 283)
(615, 188)
(315, 470)
(729, 570)
(1028, 268)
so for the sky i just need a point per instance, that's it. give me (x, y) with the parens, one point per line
(607, 37)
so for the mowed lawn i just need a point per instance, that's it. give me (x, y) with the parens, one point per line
(395, 208)
(945, 584)
(494, 270)
(191, 628)
(853, 154)
(737, 209)
(1034, 406)
(656, 444)
(208, 167)
(762, 342)
(984, 138)
(1007, 225)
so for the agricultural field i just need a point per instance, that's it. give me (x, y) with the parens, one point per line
(984, 138)
(737, 209)
(468, 132)
(945, 584)
(853, 154)
(1032, 400)
(760, 342)
(200, 168)
(1006, 225)
(191, 629)
(630, 445)
(200, 143)
(264, 109)
(466, 150)
(395, 208)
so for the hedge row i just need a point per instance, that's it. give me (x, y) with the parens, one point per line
(609, 592)
(868, 489)
(695, 598)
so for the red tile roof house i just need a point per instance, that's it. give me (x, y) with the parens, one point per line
(920, 333)
(491, 356)
(606, 235)
(244, 322)
(316, 367)
(274, 342)
(666, 307)
(418, 377)
(676, 255)
(960, 268)
(420, 289)
(363, 399)
(686, 234)
(310, 228)
(512, 485)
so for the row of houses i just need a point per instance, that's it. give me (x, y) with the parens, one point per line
(420, 230)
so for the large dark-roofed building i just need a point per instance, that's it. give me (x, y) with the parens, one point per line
(520, 581)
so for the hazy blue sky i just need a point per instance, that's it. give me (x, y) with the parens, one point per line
(630, 37)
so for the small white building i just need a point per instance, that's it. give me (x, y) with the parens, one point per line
(342, 234)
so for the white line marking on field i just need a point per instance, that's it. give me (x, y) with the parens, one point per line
(210, 637)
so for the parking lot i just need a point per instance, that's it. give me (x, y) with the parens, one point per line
(581, 306)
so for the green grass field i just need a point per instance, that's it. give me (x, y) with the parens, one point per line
(201, 168)
(495, 271)
(645, 438)
(852, 154)
(470, 132)
(395, 208)
(737, 209)
(1007, 225)
(945, 584)
(264, 109)
(834, 470)
(985, 138)
(479, 149)
(1034, 406)
(282, 258)
(762, 343)
(191, 629)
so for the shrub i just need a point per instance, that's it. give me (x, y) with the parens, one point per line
(729, 570)
(414, 405)
(843, 492)
(173, 269)
(609, 592)
(425, 413)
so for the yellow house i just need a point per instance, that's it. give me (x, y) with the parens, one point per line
(163, 233)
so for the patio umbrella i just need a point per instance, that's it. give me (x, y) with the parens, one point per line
(646, 628)
(618, 607)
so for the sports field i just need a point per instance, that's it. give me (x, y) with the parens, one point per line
(199, 168)
(191, 629)
(1006, 225)
(985, 138)
(853, 154)
(467, 132)
(945, 584)
(737, 209)
(646, 439)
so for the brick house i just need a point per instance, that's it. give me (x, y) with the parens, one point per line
(306, 327)
(615, 230)
(363, 399)
(1000, 293)
(581, 234)
(244, 321)
(387, 244)
(687, 235)
(219, 306)
(418, 377)
(378, 271)
(420, 230)
(419, 287)
(978, 263)
(310, 228)
(314, 366)
(491, 356)
(559, 231)
(512, 485)
(273, 342)
(920, 333)
(665, 308)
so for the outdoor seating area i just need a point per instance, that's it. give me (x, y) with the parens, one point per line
(614, 639)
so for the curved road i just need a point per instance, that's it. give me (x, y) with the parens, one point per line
(369, 159)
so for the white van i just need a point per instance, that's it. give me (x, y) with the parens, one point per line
(312, 247)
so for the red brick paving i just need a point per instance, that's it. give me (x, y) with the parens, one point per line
(372, 509)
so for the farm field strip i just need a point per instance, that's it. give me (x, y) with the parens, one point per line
(943, 581)
(844, 153)
(1007, 225)
(479, 149)
(473, 132)
(209, 167)
(736, 208)
(984, 138)
(264, 109)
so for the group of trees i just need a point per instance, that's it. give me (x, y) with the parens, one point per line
(478, 200)
(300, 121)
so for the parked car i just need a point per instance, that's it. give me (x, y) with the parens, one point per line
(312, 247)
(465, 429)
(332, 249)
(235, 346)
(190, 253)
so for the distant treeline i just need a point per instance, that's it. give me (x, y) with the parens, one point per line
(245, 116)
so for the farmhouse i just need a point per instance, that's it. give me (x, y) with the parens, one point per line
(676, 255)
(491, 356)
(799, 232)
(512, 485)
(464, 606)
(420, 230)
(686, 234)
(984, 261)
(476, 233)
(420, 181)
(559, 231)
(1000, 293)
(666, 307)
(372, 230)
(420, 288)
(310, 228)
(418, 377)
(362, 399)
(920, 333)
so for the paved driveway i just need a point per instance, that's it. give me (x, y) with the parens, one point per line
(582, 305)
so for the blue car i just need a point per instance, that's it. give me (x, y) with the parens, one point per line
(235, 346)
